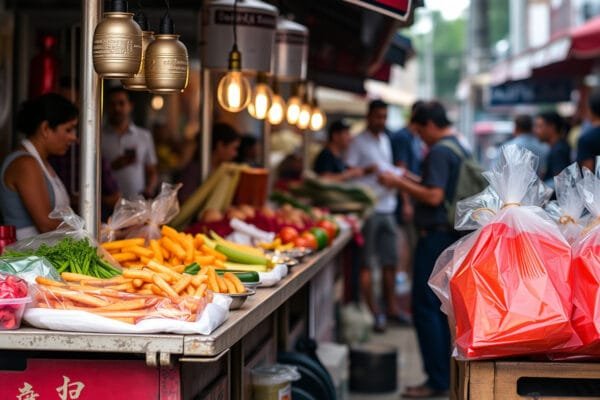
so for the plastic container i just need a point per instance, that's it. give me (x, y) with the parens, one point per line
(8, 235)
(273, 382)
(11, 312)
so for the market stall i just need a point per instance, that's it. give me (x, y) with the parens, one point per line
(179, 366)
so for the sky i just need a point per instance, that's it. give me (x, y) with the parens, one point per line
(450, 9)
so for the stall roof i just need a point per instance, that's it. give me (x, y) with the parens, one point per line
(348, 43)
(572, 52)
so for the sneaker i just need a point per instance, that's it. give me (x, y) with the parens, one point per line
(380, 323)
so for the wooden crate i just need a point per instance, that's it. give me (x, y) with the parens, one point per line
(497, 380)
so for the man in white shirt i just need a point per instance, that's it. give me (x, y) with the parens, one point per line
(128, 148)
(373, 148)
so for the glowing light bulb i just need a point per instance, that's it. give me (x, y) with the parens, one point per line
(293, 110)
(304, 116)
(277, 110)
(262, 97)
(233, 92)
(317, 120)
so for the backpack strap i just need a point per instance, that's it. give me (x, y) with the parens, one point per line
(455, 148)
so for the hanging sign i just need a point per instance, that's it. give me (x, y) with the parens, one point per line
(398, 9)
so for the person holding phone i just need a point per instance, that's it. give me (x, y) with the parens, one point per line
(129, 148)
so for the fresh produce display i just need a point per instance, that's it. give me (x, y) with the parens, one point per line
(216, 194)
(13, 299)
(173, 248)
(70, 255)
(336, 196)
(121, 298)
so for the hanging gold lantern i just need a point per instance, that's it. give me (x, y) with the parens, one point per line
(166, 63)
(117, 44)
(138, 81)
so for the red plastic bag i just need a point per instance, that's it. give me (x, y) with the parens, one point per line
(505, 287)
(585, 275)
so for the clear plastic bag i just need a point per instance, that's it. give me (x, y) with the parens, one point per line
(159, 211)
(72, 225)
(568, 208)
(586, 268)
(505, 286)
(121, 306)
(72, 228)
(127, 214)
(28, 268)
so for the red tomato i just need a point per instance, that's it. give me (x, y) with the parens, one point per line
(288, 234)
(328, 227)
(300, 242)
(311, 241)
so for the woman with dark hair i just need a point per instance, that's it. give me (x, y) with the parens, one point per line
(30, 188)
(225, 144)
(248, 152)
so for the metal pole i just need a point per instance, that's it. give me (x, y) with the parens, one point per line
(206, 132)
(266, 144)
(90, 121)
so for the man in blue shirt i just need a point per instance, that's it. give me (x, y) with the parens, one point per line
(588, 146)
(524, 137)
(330, 162)
(550, 128)
(439, 179)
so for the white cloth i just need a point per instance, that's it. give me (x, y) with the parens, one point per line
(61, 197)
(131, 179)
(368, 149)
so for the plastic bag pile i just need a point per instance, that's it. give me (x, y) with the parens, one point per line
(527, 280)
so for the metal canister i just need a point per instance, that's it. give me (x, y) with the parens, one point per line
(255, 26)
(117, 46)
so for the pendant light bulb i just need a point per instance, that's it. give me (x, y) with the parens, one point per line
(293, 110)
(317, 120)
(262, 98)
(233, 92)
(277, 110)
(304, 116)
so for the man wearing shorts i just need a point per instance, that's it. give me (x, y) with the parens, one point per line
(373, 147)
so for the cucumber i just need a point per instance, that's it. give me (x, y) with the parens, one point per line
(244, 276)
(229, 266)
(240, 256)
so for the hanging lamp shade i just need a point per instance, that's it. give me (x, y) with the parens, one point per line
(255, 33)
(166, 63)
(138, 81)
(290, 56)
(117, 44)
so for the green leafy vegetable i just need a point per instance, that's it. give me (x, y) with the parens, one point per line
(71, 255)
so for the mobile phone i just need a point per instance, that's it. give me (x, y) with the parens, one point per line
(130, 153)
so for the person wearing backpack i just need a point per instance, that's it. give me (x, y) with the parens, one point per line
(449, 174)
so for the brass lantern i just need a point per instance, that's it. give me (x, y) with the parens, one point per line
(166, 62)
(117, 45)
(138, 81)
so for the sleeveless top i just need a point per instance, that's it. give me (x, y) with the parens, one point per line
(11, 205)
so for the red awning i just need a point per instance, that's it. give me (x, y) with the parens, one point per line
(575, 52)
(585, 40)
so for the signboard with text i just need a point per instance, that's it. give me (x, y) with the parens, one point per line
(398, 9)
(531, 92)
(85, 380)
